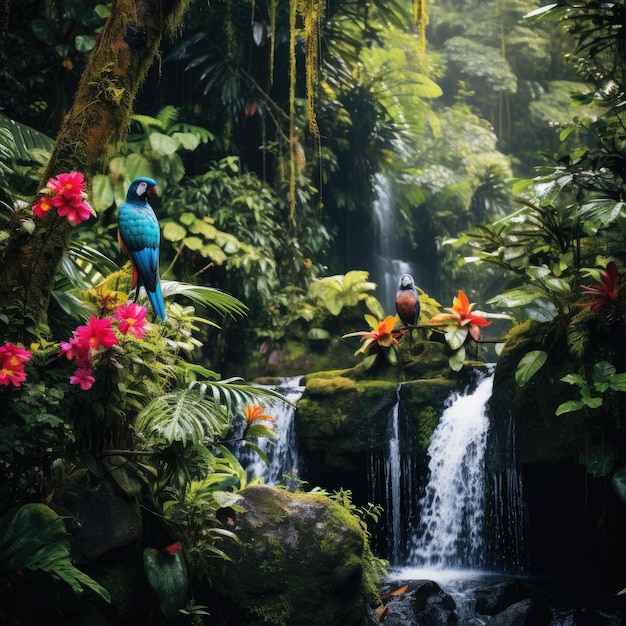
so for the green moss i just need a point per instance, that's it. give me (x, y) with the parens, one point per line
(307, 565)
(427, 421)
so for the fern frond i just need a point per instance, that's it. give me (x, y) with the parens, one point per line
(167, 116)
(577, 337)
(147, 122)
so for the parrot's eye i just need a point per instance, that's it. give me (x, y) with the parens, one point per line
(141, 189)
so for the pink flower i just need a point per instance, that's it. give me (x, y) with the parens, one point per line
(75, 209)
(132, 319)
(83, 377)
(12, 359)
(77, 350)
(65, 193)
(98, 332)
(67, 185)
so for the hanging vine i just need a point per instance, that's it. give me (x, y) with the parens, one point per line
(273, 11)
(293, 135)
(420, 19)
(311, 11)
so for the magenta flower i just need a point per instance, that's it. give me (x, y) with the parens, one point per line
(12, 359)
(76, 350)
(131, 318)
(67, 185)
(605, 292)
(83, 377)
(98, 333)
(76, 209)
(65, 193)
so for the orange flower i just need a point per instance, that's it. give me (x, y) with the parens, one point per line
(381, 333)
(461, 315)
(254, 413)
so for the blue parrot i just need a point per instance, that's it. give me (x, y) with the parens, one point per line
(407, 301)
(140, 237)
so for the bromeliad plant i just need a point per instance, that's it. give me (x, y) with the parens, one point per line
(460, 325)
(381, 338)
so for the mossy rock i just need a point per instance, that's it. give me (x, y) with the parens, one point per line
(343, 414)
(542, 437)
(301, 559)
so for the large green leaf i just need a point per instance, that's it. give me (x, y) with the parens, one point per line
(569, 407)
(33, 536)
(456, 336)
(457, 359)
(167, 575)
(618, 382)
(26, 138)
(599, 460)
(618, 482)
(529, 365)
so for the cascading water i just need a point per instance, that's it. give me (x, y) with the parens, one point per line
(388, 268)
(450, 532)
(282, 452)
(448, 539)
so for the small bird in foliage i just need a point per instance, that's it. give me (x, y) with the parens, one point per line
(140, 237)
(407, 301)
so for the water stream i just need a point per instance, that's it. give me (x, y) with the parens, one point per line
(450, 533)
(282, 452)
(388, 268)
(453, 520)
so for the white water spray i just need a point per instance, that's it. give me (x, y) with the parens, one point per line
(387, 268)
(450, 533)
(282, 452)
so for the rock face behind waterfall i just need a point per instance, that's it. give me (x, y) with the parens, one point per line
(575, 520)
(300, 560)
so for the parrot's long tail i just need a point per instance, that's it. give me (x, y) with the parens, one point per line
(157, 302)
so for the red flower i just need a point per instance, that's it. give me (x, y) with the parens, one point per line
(12, 359)
(461, 314)
(605, 292)
(42, 207)
(132, 319)
(98, 332)
(173, 548)
(83, 377)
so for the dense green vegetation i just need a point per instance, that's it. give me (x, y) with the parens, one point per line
(267, 157)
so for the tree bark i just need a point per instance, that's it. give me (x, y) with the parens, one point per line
(90, 133)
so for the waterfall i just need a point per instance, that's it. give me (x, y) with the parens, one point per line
(394, 471)
(388, 269)
(282, 452)
(450, 532)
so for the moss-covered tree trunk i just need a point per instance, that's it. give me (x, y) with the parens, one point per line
(98, 120)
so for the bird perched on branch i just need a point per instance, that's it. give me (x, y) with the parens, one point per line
(407, 301)
(140, 237)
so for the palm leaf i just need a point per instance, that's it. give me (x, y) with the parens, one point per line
(25, 139)
(184, 416)
(205, 296)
